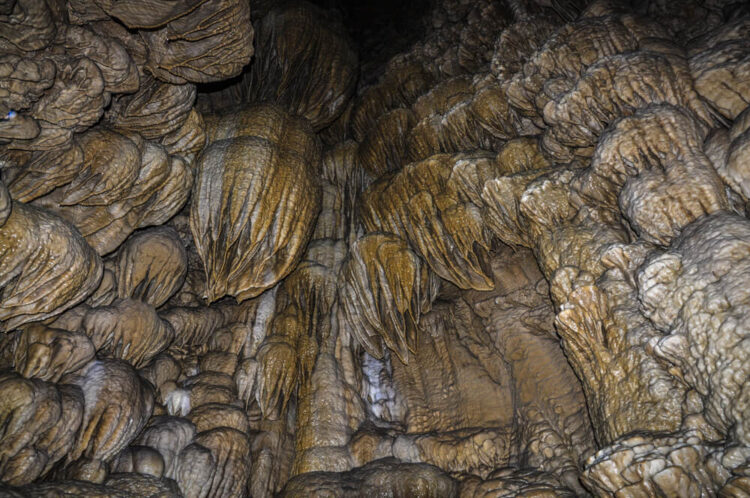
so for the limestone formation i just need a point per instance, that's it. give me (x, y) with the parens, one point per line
(254, 201)
(386, 289)
(46, 266)
(318, 248)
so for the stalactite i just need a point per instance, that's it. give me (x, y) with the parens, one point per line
(311, 248)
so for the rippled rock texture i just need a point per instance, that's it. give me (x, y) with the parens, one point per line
(255, 248)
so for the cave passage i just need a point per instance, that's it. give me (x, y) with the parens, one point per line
(330, 248)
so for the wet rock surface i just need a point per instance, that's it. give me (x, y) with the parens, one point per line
(504, 254)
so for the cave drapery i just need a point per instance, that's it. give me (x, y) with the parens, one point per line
(442, 248)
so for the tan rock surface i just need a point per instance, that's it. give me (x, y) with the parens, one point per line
(431, 248)
(249, 242)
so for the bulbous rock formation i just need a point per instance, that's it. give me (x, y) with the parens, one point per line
(151, 266)
(455, 244)
(254, 200)
(661, 188)
(384, 272)
(47, 353)
(304, 63)
(107, 185)
(41, 422)
(711, 260)
(116, 406)
(46, 266)
(435, 248)
(129, 330)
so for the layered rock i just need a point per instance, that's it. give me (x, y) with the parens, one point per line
(239, 258)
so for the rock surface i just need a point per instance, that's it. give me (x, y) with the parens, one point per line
(438, 248)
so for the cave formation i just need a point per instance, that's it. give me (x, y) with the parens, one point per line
(441, 248)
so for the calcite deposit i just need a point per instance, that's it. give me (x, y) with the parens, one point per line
(318, 248)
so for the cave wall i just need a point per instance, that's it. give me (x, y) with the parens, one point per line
(495, 248)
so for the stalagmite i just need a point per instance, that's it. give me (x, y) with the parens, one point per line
(334, 248)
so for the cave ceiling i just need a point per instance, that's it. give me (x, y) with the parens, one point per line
(440, 248)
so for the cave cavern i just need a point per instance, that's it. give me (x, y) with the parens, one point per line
(374, 248)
